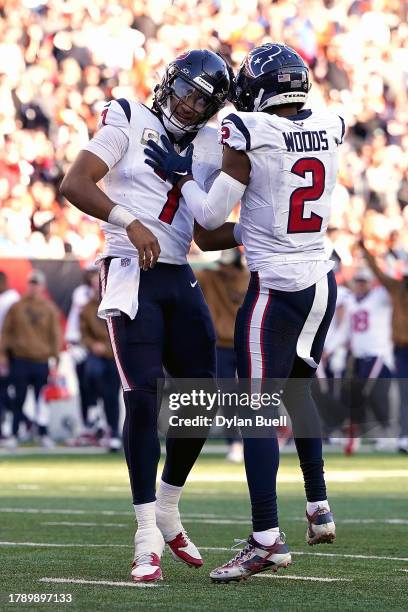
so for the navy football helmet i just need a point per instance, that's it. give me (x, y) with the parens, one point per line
(194, 87)
(271, 75)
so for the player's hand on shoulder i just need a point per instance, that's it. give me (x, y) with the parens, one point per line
(167, 162)
(145, 242)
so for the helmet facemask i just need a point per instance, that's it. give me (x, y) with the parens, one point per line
(184, 106)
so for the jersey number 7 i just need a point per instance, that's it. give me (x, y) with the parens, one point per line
(171, 206)
(297, 223)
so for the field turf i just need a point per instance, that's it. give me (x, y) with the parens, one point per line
(69, 517)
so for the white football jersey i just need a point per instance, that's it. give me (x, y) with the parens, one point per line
(370, 325)
(135, 186)
(7, 299)
(285, 209)
(80, 297)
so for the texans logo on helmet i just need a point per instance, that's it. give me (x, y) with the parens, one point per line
(183, 56)
(258, 60)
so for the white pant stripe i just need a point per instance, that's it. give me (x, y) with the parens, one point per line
(122, 375)
(312, 323)
(255, 339)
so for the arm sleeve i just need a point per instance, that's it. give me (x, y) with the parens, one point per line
(112, 140)
(213, 209)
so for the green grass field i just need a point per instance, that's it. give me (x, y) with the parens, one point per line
(69, 517)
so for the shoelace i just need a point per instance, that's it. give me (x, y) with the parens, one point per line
(242, 553)
(143, 558)
(187, 540)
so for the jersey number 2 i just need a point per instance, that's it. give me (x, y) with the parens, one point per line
(297, 223)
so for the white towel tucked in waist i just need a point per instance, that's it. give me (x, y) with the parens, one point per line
(121, 289)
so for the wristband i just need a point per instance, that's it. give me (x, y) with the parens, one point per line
(120, 216)
(238, 233)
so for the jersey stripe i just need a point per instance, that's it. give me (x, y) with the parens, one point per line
(240, 125)
(343, 129)
(125, 107)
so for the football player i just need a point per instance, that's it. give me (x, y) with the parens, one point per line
(156, 314)
(366, 329)
(280, 160)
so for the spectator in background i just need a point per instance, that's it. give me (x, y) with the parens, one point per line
(100, 369)
(31, 338)
(8, 297)
(57, 67)
(78, 352)
(369, 323)
(398, 290)
(224, 290)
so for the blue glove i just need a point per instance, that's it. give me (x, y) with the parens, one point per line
(167, 162)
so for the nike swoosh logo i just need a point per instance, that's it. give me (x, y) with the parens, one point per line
(193, 284)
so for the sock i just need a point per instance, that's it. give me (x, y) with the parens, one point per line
(268, 537)
(311, 507)
(167, 512)
(145, 516)
(148, 538)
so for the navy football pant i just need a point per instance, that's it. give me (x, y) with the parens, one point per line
(23, 374)
(370, 389)
(401, 367)
(273, 329)
(102, 378)
(227, 369)
(172, 329)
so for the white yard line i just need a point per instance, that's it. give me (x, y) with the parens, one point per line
(316, 554)
(311, 578)
(67, 511)
(220, 549)
(79, 524)
(210, 519)
(140, 585)
(239, 477)
(55, 545)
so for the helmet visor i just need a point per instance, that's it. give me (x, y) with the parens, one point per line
(188, 104)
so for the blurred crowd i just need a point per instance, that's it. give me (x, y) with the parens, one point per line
(59, 61)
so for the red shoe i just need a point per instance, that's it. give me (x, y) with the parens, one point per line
(146, 568)
(183, 549)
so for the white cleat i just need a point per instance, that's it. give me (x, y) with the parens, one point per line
(321, 528)
(176, 538)
(47, 442)
(253, 559)
(183, 549)
(149, 546)
(235, 453)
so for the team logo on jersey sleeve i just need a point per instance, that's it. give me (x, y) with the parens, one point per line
(149, 134)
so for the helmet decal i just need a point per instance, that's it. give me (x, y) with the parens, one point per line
(270, 75)
(256, 67)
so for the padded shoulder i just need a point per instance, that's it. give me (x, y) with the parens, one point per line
(235, 133)
(116, 113)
